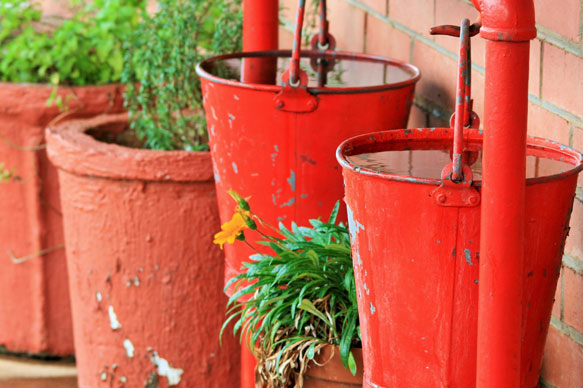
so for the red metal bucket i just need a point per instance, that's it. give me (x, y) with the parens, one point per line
(276, 144)
(416, 253)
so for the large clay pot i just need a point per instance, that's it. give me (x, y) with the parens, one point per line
(35, 315)
(145, 278)
(332, 373)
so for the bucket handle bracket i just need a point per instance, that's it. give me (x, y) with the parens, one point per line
(456, 194)
(295, 98)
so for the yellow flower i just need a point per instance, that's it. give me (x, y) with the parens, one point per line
(231, 229)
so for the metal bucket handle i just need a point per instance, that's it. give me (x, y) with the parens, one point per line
(294, 96)
(457, 177)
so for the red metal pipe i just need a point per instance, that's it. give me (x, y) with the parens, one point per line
(260, 32)
(509, 26)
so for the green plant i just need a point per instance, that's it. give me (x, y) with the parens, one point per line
(300, 297)
(83, 50)
(163, 90)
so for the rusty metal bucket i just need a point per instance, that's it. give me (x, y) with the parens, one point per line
(276, 143)
(415, 233)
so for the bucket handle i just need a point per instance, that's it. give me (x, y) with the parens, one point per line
(456, 188)
(294, 96)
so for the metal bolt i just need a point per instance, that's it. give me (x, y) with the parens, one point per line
(473, 200)
(441, 198)
(311, 104)
(279, 103)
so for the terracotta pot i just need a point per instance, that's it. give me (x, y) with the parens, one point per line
(144, 275)
(333, 373)
(35, 312)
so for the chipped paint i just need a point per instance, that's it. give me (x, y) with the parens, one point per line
(274, 200)
(129, 347)
(304, 196)
(235, 168)
(372, 309)
(103, 376)
(113, 322)
(292, 180)
(366, 289)
(288, 203)
(98, 296)
(136, 281)
(353, 225)
(214, 113)
(468, 256)
(165, 369)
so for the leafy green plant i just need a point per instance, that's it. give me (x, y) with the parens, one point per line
(299, 298)
(83, 50)
(163, 90)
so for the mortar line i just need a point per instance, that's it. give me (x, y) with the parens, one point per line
(567, 330)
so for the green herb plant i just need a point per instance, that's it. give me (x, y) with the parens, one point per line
(85, 49)
(163, 93)
(297, 299)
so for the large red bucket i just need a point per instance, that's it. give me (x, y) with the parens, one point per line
(276, 144)
(416, 253)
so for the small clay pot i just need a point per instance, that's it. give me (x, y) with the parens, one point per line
(145, 277)
(35, 314)
(333, 374)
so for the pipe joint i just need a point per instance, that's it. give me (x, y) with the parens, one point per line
(507, 20)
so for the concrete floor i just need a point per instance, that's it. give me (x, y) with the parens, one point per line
(24, 373)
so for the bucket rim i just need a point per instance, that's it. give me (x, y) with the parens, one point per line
(411, 69)
(377, 141)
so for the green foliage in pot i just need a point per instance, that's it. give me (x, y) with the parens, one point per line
(301, 296)
(83, 50)
(163, 90)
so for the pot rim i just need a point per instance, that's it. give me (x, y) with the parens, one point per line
(411, 69)
(380, 141)
(71, 149)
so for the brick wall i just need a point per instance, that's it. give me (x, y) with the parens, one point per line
(399, 29)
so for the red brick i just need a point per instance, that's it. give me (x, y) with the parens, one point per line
(378, 5)
(287, 10)
(543, 123)
(534, 74)
(382, 39)
(574, 246)
(578, 145)
(438, 75)
(452, 12)
(286, 39)
(563, 79)
(573, 308)
(417, 119)
(562, 18)
(478, 94)
(415, 14)
(558, 296)
(347, 25)
(563, 361)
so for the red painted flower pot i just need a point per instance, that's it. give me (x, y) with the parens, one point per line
(144, 275)
(35, 314)
(329, 372)
(415, 242)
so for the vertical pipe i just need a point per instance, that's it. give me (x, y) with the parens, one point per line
(260, 32)
(502, 225)
(508, 25)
